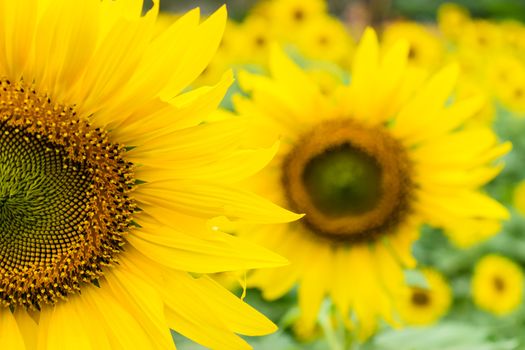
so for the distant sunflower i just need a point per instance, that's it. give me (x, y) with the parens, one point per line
(290, 15)
(497, 285)
(424, 305)
(367, 165)
(325, 38)
(425, 47)
(107, 178)
(452, 19)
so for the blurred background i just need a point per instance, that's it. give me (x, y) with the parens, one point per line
(379, 9)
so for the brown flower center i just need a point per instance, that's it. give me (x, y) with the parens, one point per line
(420, 298)
(64, 199)
(352, 181)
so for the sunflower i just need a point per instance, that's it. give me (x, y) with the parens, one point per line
(290, 15)
(497, 285)
(108, 177)
(424, 305)
(324, 38)
(505, 74)
(451, 20)
(254, 38)
(426, 48)
(367, 165)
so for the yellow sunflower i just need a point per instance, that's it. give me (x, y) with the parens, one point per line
(426, 48)
(505, 75)
(424, 305)
(325, 38)
(497, 285)
(452, 19)
(367, 165)
(108, 177)
(254, 37)
(290, 15)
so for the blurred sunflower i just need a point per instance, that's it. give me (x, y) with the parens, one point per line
(108, 178)
(426, 49)
(505, 76)
(497, 285)
(452, 19)
(367, 165)
(424, 305)
(290, 15)
(255, 36)
(325, 38)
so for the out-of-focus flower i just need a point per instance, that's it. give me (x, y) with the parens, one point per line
(452, 19)
(367, 165)
(425, 48)
(497, 285)
(425, 305)
(288, 16)
(325, 38)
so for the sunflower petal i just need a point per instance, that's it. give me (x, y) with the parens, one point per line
(220, 252)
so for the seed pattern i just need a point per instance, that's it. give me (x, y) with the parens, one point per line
(65, 199)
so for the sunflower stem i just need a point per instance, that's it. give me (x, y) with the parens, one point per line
(334, 340)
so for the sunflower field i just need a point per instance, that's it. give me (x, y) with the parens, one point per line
(262, 174)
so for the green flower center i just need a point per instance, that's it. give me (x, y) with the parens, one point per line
(43, 196)
(343, 181)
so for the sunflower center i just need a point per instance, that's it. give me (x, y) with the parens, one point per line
(64, 199)
(351, 180)
(420, 298)
(499, 284)
(298, 15)
(343, 181)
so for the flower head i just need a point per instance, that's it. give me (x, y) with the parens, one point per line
(497, 285)
(108, 176)
(367, 165)
(424, 305)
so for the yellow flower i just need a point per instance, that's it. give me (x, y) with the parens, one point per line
(514, 35)
(425, 305)
(484, 37)
(324, 38)
(108, 177)
(506, 79)
(425, 47)
(254, 38)
(367, 165)
(289, 15)
(451, 20)
(497, 285)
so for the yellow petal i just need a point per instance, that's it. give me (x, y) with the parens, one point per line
(11, 337)
(197, 54)
(123, 330)
(141, 299)
(202, 198)
(220, 252)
